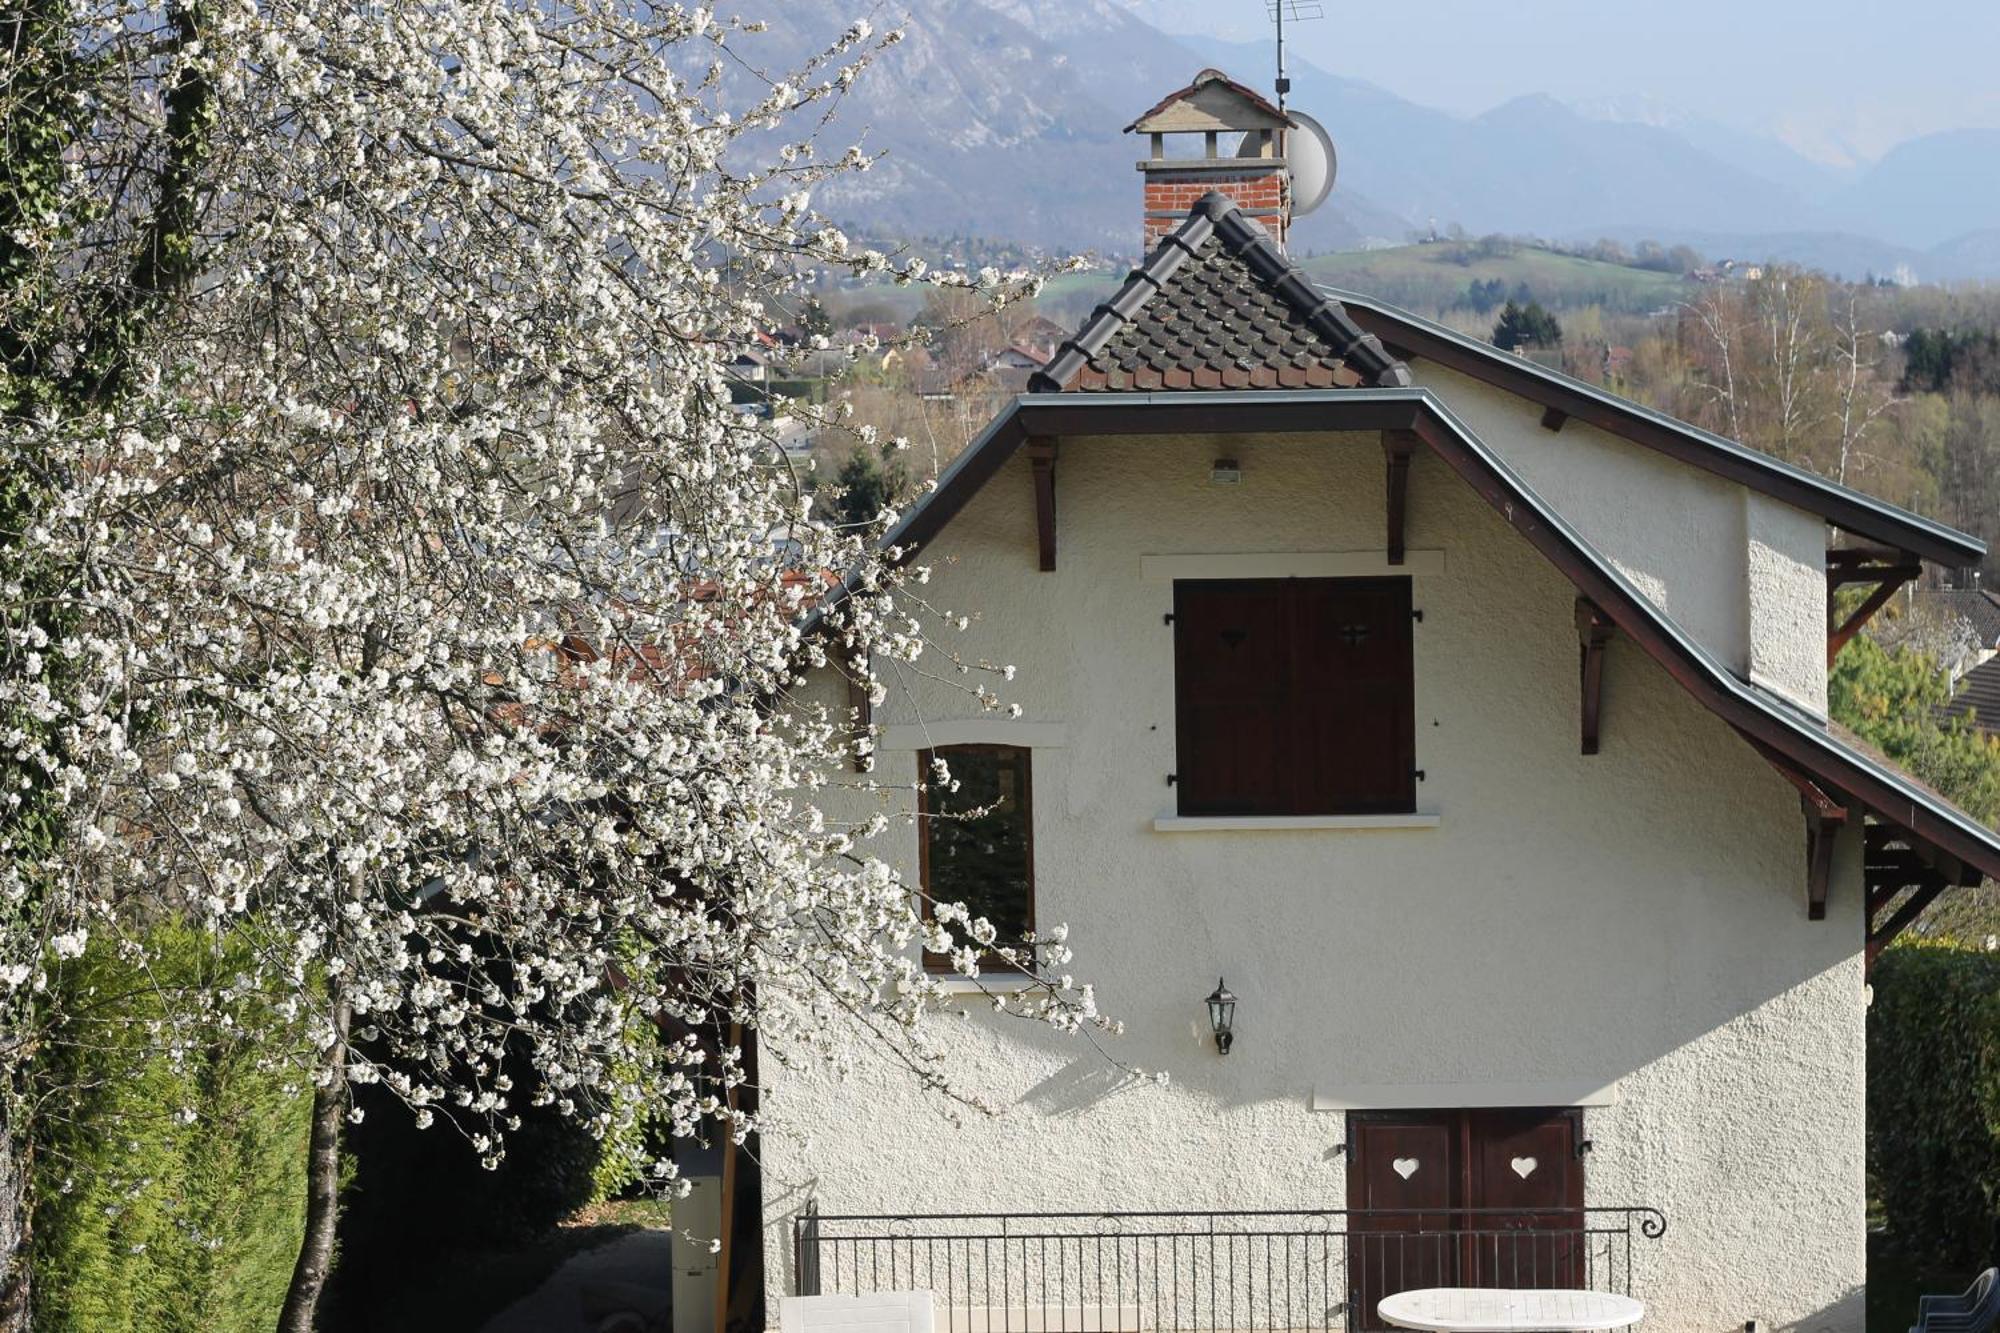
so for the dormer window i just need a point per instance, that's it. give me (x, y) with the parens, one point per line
(1294, 696)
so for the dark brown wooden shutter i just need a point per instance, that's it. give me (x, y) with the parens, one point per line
(1233, 690)
(1352, 710)
(1293, 696)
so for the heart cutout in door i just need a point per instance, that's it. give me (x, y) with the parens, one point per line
(1405, 1166)
(1524, 1166)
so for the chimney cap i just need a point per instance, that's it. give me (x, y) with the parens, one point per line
(1212, 103)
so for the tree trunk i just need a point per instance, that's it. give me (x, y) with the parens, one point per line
(322, 1184)
(16, 1305)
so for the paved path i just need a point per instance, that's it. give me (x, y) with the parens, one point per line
(639, 1260)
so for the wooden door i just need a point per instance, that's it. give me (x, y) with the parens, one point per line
(1469, 1198)
(1403, 1178)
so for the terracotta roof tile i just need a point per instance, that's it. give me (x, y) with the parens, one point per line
(1217, 305)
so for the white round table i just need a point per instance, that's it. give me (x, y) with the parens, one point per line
(1493, 1310)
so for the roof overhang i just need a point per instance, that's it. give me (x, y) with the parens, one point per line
(1766, 721)
(1412, 338)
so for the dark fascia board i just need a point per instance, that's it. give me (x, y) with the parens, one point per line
(1850, 510)
(1757, 715)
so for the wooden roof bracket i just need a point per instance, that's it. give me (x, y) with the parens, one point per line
(1825, 815)
(1593, 632)
(1553, 419)
(1891, 870)
(1880, 937)
(1397, 447)
(1820, 834)
(1042, 458)
(862, 702)
(1888, 570)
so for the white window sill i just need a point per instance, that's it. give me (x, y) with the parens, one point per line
(1286, 823)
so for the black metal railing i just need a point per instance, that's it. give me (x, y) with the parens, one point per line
(1207, 1272)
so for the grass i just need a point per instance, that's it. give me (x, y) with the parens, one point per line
(1434, 277)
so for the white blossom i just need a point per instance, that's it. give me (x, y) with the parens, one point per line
(429, 615)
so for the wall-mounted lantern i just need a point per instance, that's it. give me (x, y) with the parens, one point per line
(1222, 1016)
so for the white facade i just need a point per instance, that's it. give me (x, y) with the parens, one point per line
(1626, 931)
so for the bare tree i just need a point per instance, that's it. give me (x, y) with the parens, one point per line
(1862, 398)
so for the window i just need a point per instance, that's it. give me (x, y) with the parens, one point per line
(977, 844)
(1293, 696)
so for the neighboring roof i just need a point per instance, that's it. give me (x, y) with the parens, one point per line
(1410, 336)
(1213, 78)
(1764, 719)
(1977, 698)
(1218, 306)
(1977, 606)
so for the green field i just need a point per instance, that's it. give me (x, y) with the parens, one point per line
(1426, 279)
(1430, 278)
(1433, 279)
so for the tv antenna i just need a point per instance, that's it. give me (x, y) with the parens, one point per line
(1298, 11)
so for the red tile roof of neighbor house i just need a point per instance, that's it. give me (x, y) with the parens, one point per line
(1977, 698)
(1975, 605)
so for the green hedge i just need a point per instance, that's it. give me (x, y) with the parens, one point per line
(1934, 1100)
(171, 1184)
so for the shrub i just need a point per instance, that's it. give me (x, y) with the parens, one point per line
(171, 1165)
(1934, 1100)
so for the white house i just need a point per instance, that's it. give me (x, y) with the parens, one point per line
(1471, 723)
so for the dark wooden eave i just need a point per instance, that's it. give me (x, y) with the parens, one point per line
(1845, 773)
(1398, 447)
(1593, 632)
(1825, 816)
(1042, 457)
(862, 705)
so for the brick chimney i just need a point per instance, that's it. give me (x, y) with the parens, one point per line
(1241, 153)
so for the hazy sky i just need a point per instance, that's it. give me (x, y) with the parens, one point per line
(1826, 75)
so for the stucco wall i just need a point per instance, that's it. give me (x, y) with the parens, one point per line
(1634, 918)
(1738, 570)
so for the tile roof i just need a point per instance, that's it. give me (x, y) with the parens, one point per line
(1218, 306)
(1977, 698)
(1203, 80)
(1976, 605)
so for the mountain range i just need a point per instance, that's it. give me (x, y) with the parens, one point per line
(1002, 119)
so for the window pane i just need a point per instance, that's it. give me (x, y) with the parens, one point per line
(977, 847)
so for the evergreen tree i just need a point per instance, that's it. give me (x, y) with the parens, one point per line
(1529, 325)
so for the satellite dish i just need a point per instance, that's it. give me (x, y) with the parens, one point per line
(1310, 158)
(1309, 154)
